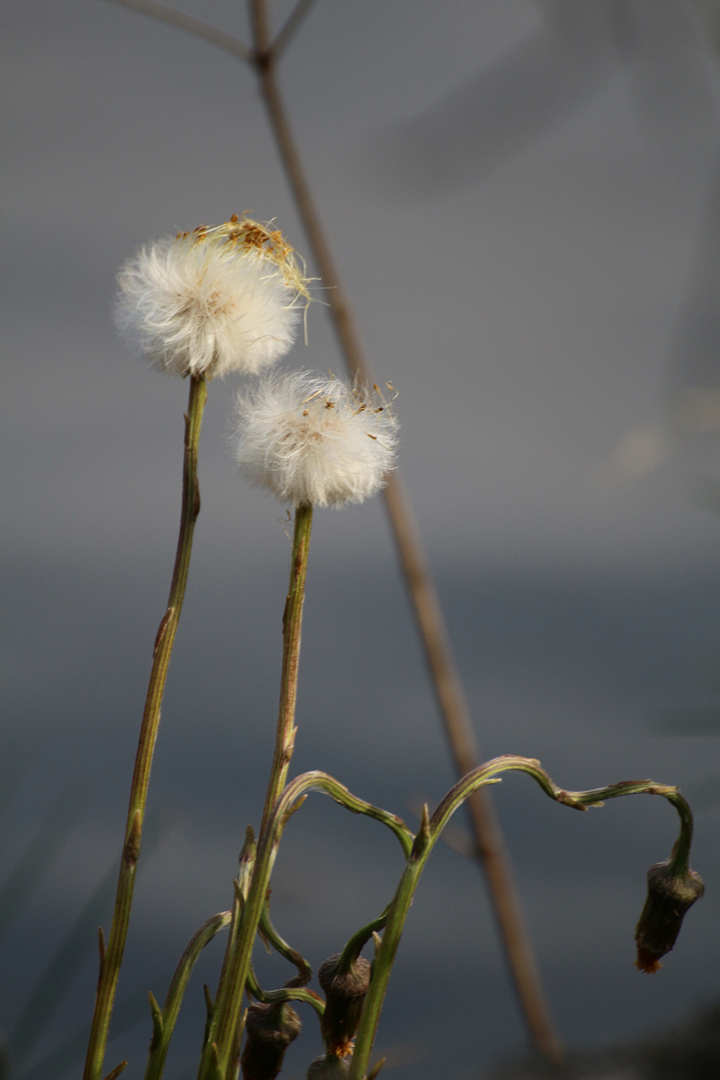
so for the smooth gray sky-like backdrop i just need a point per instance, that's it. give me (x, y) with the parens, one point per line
(522, 199)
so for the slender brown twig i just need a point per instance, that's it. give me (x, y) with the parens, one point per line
(196, 27)
(488, 836)
(291, 26)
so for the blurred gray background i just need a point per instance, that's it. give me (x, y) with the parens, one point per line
(523, 201)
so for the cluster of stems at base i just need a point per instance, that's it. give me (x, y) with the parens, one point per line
(354, 988)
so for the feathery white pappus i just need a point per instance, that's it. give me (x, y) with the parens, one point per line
(314, 440)
(214, 300)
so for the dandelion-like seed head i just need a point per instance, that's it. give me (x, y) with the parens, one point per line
(315, 440)
(214, 300)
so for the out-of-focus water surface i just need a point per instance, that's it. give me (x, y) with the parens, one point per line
(578, 670)
(522, 202)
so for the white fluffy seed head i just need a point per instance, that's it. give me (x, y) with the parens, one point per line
(314, 440)
(212, 301)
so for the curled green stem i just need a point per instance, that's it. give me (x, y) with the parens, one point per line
(293, 794)
(285, 993)
(273, 939)
(111, 956)
(316, 780)
(428, 834)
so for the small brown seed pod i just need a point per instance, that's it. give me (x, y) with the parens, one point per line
(269, 1030)
(669, 896)
(344, 996)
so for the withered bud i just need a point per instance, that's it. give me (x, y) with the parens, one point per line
(269, 1030)
(328, 1067)
(670, 894)
(344, 996)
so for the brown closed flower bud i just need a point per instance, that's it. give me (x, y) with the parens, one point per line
(670, 894)
(269, 1030)
(328, 1067)
(344, 996)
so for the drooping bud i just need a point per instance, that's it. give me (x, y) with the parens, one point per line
(269, 1030)
(328, 1067)
(344, 995)
(670, 894)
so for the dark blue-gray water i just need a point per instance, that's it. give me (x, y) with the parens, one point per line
(522, 201)
(594, 674)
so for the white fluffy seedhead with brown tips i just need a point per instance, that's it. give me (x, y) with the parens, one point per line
(314, 441)
(213, 301)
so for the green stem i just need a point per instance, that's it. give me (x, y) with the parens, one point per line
(287, 993)
(272, 939)
(164, 1020)
(297, 790)
(292, 628)
(428, 834)
(111, 957)
(220, 1052)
